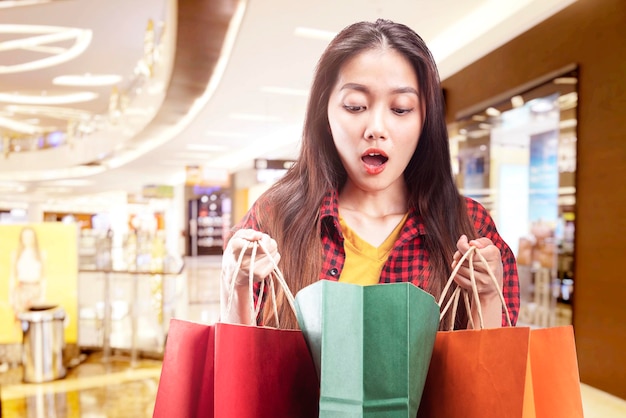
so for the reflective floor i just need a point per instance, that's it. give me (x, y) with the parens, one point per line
(116, 388)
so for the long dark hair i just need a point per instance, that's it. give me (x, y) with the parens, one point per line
(291, 206)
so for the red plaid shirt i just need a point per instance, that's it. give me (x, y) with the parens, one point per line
(408, 260)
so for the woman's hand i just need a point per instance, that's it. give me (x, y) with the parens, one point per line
(263, 266)
(488, 294)
(236, 307)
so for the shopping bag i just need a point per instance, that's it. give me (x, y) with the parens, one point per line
(186, 383)
(371, 346)
(509, 372)
(237, 371)
(263, 372)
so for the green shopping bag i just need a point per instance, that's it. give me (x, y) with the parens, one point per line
(371, 346)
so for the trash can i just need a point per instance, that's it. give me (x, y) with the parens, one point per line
(43, 343)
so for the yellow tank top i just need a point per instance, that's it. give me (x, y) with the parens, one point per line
(365, 262)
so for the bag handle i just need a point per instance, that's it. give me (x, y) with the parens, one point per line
(454, 299)
(275, 274)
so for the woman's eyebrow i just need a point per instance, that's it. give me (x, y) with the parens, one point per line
(365, 89)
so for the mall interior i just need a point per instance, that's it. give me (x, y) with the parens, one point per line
(136, 134)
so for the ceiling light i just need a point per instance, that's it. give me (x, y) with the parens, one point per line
(48, 99)
(541, 105)
(284, 90)
(87, 80)
(310, 33)
(492, 111)
(5, 4)
(22, 127)
(253, 117)
(517, 101)
(565, 80)
(50, 111)
(47, 35)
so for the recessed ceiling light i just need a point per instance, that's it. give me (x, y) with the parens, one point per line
(87, 80)
(492, 111)
(565, 80)
(284, 90)
(517, 101)
(48, 99)
(312, 33)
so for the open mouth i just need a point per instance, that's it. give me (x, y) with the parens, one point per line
(374, 159)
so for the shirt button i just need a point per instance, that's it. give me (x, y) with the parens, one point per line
(333, 272)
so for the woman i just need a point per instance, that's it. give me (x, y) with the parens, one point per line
(372, 197)
(27, 279)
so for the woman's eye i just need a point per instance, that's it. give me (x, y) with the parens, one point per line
(399, 111)
(350, 108)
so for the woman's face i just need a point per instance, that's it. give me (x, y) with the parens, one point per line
(375, 117)
(28, 237)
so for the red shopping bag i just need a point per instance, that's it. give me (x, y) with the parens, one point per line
(263, 372)
(186, 383)
(509, 372)
(237, 371)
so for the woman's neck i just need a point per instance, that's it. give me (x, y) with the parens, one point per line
(380, 203)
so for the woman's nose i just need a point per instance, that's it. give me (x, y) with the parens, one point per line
(376, 126)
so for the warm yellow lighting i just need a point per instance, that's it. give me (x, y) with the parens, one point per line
(50, 111)
(87, 80)
(492, 111)
(48, 99)
(517, 101)
(47, 35)
(25, 128)
(5, 4)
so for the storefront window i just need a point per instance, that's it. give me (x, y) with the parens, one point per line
(516, 155)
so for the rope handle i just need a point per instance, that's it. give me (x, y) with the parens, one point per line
(276, 274)
(454, 299)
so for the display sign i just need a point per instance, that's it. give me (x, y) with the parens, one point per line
(202, 176)
(38, 267)
(158, 191)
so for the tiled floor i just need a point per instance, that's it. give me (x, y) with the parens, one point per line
(115, 388)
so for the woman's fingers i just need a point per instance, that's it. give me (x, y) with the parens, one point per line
(263, 264)
(492, 256)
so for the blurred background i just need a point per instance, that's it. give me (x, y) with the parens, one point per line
(135, 134)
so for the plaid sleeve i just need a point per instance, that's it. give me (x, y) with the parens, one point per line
(485, 227)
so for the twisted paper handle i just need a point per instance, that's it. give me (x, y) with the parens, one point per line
(454, 299)
(276, 273)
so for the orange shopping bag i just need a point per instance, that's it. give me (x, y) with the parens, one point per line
(509, 372)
